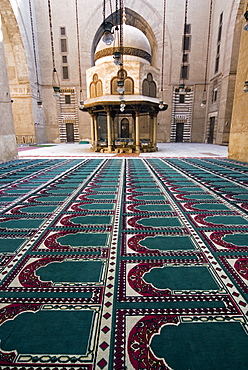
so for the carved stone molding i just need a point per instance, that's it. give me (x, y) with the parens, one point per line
(126, 51)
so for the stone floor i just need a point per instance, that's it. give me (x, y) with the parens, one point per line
(164, 150)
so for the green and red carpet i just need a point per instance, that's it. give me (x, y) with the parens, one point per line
(124, 263)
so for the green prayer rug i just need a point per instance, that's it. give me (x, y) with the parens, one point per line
(124, 264)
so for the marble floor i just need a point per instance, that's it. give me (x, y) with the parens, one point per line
(164, 150)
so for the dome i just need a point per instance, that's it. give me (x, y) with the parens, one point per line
(135, 44)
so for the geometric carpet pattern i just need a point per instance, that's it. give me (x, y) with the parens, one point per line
(124, 263)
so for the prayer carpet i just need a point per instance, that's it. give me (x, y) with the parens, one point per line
(124, 263)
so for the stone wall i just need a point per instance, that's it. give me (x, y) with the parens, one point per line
(8, 148)
(147, 15)
(238, 144)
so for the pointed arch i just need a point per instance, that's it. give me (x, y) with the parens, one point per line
(18, 75)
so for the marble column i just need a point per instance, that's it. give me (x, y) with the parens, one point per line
(137, 132)
(96, 131)
(154, 142)
(113, 128)
(109, 130)
(151, 123)
(92, 131)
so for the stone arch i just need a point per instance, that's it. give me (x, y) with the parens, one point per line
(18, 74)
(136, 20)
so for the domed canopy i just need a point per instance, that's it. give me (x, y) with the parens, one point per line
(135, 44)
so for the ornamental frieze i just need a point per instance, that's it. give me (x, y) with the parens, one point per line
(126, 51)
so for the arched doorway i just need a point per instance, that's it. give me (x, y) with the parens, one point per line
(124, 128)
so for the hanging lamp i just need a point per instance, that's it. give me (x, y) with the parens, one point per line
(161, 102)
(121, 74)
(81, 98)
(117, 58)
(108, 37)
(56, 84)
(204, 94)
(107, 27)
(55, 76)
(182, 90)
(120, 86)
(39, 101)
(122, 105)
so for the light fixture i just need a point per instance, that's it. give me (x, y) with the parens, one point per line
(81, 105)
(122, 105)
(39, 103)
(108, 37)
(117, 58)
(203, 103)
(56, 90)
(56, 95)
(161, 104)
(56, 87)
(246, 87)
(246, 18)
(120, 87)
(182, 89)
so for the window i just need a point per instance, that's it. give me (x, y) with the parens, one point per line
(219, 33)
(99, 88)
(92, 90)
(95, 86)
(186, 45)
(64, 59)
(217, 62)
(184, 72)
(181, 98)
(149, 87)
(185, 58)
(128, 83)
(145, 88)
(65, 73)
(187, 29)
(221, 17)
(62, 31)
(214, 92)
(152, 89)
(63, 45)
(128, 86)
(217, 59)
(67, 99)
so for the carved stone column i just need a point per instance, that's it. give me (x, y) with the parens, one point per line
(109, 130)
(113, 128)
(92, 130)
(155, 131)
(151, 127)
(96, 131)
(137, 131)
